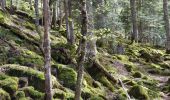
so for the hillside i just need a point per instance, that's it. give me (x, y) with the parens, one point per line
(142, 72)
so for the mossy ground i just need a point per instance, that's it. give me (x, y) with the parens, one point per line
(22, 76)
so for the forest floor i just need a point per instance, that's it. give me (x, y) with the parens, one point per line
(143, 69)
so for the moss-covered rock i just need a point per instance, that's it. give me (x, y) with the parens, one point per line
(66, 75)
(137, 74)
(96, 98)
(9, 84)
(31, 92)
(20, 95)
(139, 92)
(4, 95)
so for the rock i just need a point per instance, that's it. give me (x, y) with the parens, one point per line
(138, 92)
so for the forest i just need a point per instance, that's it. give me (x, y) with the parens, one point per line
(84, 50)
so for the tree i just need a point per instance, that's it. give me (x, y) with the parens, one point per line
(167, 25)
(54, 18)
(47, 50)
(71, 24)
(99, 14)
(67, 20)
(134, 36)
(91, 44)
(3, 4)
(81, 61)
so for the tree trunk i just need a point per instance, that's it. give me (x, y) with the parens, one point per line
(81, 61)
(67, 20)
(47, 51)
(3, 4)
(167, 25)
(99, 22)
(71, 24)
(91, 44)
(134, 37)
(54, 19)
(37, 26)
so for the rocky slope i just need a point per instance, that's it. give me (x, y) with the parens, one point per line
(142, 72)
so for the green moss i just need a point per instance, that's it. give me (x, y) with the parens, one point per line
(129, 67)
(20, 95)
(36, 95)
(4, 95)
(59, 94)
(96, 98)
(66, 75)
(34, 76)
(27, 58)
(106, 83)
(137, 74)
(9, 84)
(29, 25)
(139, 92)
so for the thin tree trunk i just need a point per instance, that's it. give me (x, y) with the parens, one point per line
(67, 20)
(3, 4)
(167, 25)
(47, 50)
(91, 44)
(71, 24)
(84, 28)
(37, 24)
(134, 37)
(54, 19)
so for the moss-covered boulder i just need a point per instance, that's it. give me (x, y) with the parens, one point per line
(4, 95)
(138, 92)
(66, 75)
(9, 84)
(31, 92)
(137, 74)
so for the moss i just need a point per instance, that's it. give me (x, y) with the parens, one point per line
(28, 58)
(137, 74)
(129, 67)
(34, 76)
(9, 84)
(129, 82)
(96, 98)
(36, 95)
(20, 95)
(59, 94)
(29, 25)
(106, 83)
(122, 57)
(66, 75)
(139, 92)
(4, 95)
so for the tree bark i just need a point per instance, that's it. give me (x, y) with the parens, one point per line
(47, 50)
(3, 4)
(54, 19)
(37, 26)
(81, 61)
(134, 36)
(67, 20)
(167, 25)
(91, 44)
(71, 24)
(99, 22)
